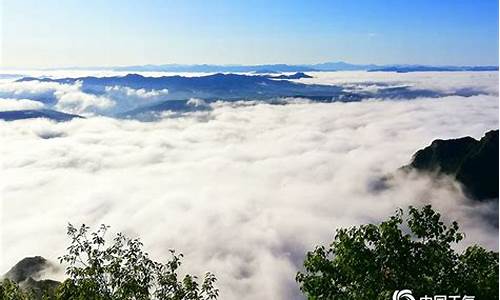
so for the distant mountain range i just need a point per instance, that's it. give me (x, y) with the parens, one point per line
(270, 88)
(244, 87)
(216, 86)
(279, 68)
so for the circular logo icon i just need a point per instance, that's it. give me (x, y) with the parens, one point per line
(402, 295)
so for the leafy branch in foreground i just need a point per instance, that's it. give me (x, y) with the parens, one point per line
(122, 271)
(372, 261)
(9, 290)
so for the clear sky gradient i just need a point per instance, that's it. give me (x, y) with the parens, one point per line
(117, 32)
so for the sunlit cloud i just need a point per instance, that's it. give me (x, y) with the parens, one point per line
(19, 104)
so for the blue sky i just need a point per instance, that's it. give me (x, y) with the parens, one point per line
(106, 33)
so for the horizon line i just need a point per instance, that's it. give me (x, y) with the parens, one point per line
(111, 67)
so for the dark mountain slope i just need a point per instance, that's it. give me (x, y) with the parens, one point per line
(31, 114)
(471, 162)
(26, 268)
(27, 272)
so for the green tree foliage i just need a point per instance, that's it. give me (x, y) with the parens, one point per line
(120, 271)
(123, 271)
(372, 261)
(9, 290)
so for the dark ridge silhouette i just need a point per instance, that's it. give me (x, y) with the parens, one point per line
(33, 113)
(26, 268)
(471, 162)
(298, 75)
(27, 272)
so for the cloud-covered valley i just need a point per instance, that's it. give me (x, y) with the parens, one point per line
(131, 95)
(244, 191)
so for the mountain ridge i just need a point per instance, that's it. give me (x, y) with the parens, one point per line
(473, 163)
(276, 68)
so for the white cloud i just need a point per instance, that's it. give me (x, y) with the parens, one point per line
(73, 100)
(196, 102)
(128, 98)
(29, 89)
(136, 93)
(242, 190)
(447, 82)
(64, 97)
(19, 104)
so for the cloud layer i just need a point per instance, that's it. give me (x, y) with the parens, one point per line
(7, 104)
(70, 98)
(242, 190)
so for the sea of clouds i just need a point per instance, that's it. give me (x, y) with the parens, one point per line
(244, 191)
(70, 97)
